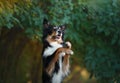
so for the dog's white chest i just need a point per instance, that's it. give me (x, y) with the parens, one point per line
(50, 50)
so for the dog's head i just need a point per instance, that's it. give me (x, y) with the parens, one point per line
(53, 33)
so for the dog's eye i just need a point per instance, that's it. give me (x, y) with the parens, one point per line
(54, 29)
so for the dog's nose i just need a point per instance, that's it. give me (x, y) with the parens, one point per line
(59, 32)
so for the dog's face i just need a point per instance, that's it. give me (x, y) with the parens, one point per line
(53, 33)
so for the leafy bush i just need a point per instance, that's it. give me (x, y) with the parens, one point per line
(102, 43)
(95, 31)
(23, 14)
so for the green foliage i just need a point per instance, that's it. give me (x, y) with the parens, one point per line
(102, 48)
(23, 14)
(93, 29)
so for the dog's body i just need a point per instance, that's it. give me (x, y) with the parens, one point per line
(55, 54)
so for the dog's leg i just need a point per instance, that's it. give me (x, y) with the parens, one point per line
(59, 52)
(66, 65)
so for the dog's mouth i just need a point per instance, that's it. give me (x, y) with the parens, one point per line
(56, 37)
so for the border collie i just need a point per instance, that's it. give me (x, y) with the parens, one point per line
(55, 54)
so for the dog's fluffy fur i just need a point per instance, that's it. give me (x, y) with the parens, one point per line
(55, 54)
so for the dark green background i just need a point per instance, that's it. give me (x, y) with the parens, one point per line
(93, 28)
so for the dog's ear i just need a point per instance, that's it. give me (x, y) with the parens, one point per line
(45, 23)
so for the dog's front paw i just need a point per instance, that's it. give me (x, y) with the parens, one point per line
(68, 44)
(70, 52)
(62, 54)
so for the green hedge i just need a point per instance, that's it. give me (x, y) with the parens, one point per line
(95, 30)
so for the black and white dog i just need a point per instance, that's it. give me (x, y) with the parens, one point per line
(55, 54)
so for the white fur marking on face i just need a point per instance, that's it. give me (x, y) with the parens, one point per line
(55, 27)
(50, 50)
